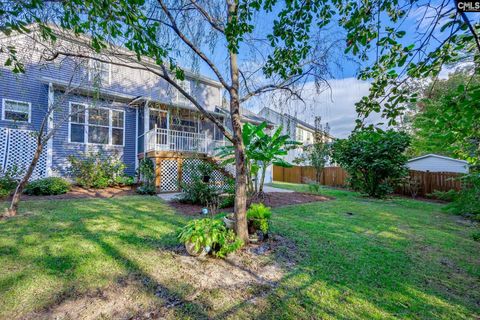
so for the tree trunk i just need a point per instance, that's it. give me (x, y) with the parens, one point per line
(241, 228)
(12, 211)
(262, 180)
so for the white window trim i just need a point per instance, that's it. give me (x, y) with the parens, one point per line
(91, 68)
(86, 125)
(17, 101)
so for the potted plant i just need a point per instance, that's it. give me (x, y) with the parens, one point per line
(258, 218)
(208, 236)
(229, 220)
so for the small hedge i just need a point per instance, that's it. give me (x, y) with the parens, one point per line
(47, 186)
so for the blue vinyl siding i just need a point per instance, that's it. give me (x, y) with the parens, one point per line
(33, 86)
(24, 87)
(62, 148)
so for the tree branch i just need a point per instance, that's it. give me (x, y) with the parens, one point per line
(209, 18)
(193, 46)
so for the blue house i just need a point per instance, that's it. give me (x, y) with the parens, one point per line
(110, 103)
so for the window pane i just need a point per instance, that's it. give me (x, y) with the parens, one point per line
(100, 72)
(16, 111)
(117, 137)
(97, 135)
(117, 118)
(77, 113)
(98, 116)
(16, 116)
(77, 132)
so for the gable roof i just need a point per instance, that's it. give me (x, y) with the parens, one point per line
(68, 35)
(437, 156)
(294, 119)
(247, 115)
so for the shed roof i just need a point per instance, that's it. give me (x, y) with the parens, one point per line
(437, 156)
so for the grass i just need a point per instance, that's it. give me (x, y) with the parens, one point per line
(356, 258)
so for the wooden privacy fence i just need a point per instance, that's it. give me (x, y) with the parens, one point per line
(426, 182)
(331, 176)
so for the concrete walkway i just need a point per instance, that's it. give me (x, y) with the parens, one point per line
(266, 189)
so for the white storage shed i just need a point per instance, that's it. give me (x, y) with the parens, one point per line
(437, 163)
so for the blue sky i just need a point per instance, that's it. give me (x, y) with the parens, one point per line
(334, 104)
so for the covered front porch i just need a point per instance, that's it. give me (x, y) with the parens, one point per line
(176, 137)
(177, 129)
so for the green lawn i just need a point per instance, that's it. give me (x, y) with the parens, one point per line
(356, 259)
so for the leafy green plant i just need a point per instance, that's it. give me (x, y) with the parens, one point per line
(200, 190)
(467, 200)
(476, 236)
(210, 235)
(374, 159)
(96, 170)
(258, 216)
(449, 195)
(146, 176)
(314, 187)
(8, 180)
(262, 150)
(47, 186)
(124, 181)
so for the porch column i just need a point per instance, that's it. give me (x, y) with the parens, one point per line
(146, 128)
(51, 98)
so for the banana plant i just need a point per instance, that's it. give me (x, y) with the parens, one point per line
(262, 150)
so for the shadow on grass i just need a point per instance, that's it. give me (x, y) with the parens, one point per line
(360, 266)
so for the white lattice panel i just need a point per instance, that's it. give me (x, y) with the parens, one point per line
(188, 168)
(21, 148)
(169, 172)
(3, 146)
(218, 178)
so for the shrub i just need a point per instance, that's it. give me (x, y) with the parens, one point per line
(124, 181)
(96, 170)
(147, 189)
(146, 176)
(199, 190)
(9, 181)
(476, 236)
(449, 195)
(375, 160)
(258, 216)
(314, 187)
(210, 235)
(467, 200)
(47, 186)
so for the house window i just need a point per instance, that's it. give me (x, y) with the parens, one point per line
(185, 85)
(96, 125)
(117, 127)
(77, 123)
(16, 110)
(99, 72)
(299, 134)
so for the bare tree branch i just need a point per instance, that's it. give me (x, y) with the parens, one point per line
(193, 46)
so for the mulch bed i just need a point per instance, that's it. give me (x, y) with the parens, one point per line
(82, 193)
(272, 199)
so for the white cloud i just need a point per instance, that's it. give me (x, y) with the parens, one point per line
(335, 105)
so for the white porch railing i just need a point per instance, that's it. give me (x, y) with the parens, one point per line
(173, 140)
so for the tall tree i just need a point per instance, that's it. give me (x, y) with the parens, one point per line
(448, 118)
(163, 31)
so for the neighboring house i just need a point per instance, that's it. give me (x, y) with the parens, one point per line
(110, 108)
(297, 129)
(437, 163)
